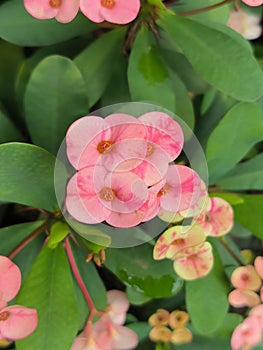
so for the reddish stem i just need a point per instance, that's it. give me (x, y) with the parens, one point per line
(204, 9)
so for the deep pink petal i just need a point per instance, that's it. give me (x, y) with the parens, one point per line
(21, 322)
(10, 279)
(67, 11)
(123, 12)
(40, 9)
(164, 132)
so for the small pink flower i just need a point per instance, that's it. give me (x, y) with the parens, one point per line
(247, 334)
(217, 219)
(194, 262)
(253, 2)
(245, 23)
(118, 305)
(95, 195)
(246, 277)
(243, 298)
(175, 239)
(258, 263)
(63, 10)
(113, 11)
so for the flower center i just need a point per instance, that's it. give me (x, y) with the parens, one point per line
(105, 147)
(163, 191)
(55, 3)
(178, 242)
(107, 194)
(109, 4)
(4, 315)
(244, 277)
(150, 149)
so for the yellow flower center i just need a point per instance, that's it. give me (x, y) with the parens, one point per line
(163, 191)
(55, 3)
(149, 149)
(109, 4)
(105, 147)
(107, 194)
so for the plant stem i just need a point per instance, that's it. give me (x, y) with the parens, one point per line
(204, 9)
(27, 240)
(230, 251)
(78, 277)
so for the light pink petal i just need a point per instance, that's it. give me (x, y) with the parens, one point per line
(194, 262)
(123, 12)
(258, 263)
(243, 297)
(21, 322)
(257, 311)
(125, 220)
(10, 279)
(81, 343)
(253, 2)
(117, 302)
(40, 9)
(247, 334)
(246, 277)
(164, 132)
(67, 11)
(124, 338)
(151, 207)
(91, 9)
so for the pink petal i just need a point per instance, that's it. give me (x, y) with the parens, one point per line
(124, 338)
(118, 304)
(246, 277)
(151, 206)
(257, 311)
(194, 262)
(164, 132)
(253, 2)
(91, 9)
(258, 263)
(67, 11)
(125, 220)
(20, 323)
(247, 334)
(243, 297)
(123, 12)
(40, 9)
(10, 279)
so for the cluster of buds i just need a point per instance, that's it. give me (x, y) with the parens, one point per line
(108, 333)
(170, 327)
(247, 281)
(16, 321)
(186, 246)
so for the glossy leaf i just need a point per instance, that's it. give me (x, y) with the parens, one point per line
(202, 45)
(238, 138)
(49, 289)
(51, 104)
(57, 233)
(26, 176)
(19, 27)
(96, 63)
(8, 130)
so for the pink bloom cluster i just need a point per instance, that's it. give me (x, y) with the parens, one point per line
(124, 172)
(253, 2)
(16, 321)
(114, 11)
(108, 333)
(248, 280)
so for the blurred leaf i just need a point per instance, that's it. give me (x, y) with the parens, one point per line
(203, 297)
(205, 343)
(231, 198)
(8, 130)
(58, 232)
(13, 235)
(26, 176)
(245, 176)
(135, 296)
(96, 62)
(135, 267)
(212, 45)
(19, 27)
(142, 329)
(49, 289)
(232, 139)
(249, 214)
(51, 104)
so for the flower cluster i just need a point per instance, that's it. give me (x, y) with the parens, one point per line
(245, 23)
(247, 280)
(185, 245)
(108, 333)
(114, 11)
(170, 327)
(16, 321)
(124, 171)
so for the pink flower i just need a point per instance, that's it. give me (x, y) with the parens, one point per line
(246, 277)
(118, 306)
(95, 195)
(245, 23)
(105, 335)
(16, 321)
(217, 219)
(247, 334)
(114, 11)
(116, 142)
(243, 297)
(63, 10)
(253, 2)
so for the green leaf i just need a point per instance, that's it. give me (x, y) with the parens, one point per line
(8, 130)
(245, 176)
(51, 104)
(232, 139)
(58, 232)
(135, 267)
(235, 64)
(49, 289)
(148, 76)
(96, 62)
(135, 296)
(26, 176)
(203, 297)
(12, 236)
(142, 329)
(249, 214)
(19, 27)
(231, 198)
